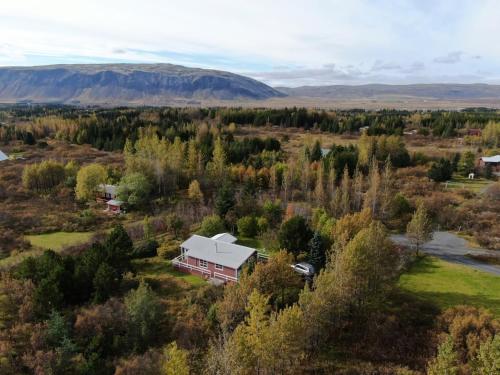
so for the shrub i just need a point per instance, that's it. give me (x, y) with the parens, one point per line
(247, 226)
(211, 225)
(146, 250)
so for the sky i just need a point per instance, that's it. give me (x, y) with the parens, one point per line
(283, 43)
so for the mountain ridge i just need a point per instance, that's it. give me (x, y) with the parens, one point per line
(126, 83)
(442, 91)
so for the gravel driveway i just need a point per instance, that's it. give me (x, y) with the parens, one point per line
(452, 248)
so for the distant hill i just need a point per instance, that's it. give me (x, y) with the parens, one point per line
(150, 84)
(431, 91)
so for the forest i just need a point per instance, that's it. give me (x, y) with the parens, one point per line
(85, 291)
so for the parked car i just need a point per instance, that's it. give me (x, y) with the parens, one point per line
(304, 268)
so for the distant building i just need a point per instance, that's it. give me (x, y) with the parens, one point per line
(114, 206)
(3, 156)
(214, 258)
(474, 132)
(493, 161)
(325, 151)
(106, 192)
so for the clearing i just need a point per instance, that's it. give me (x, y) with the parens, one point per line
(478, 185)
(447, 284)
(58, 240)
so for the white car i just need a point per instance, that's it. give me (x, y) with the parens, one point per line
(303, 268)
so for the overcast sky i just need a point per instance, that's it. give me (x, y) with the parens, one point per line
(290, 43)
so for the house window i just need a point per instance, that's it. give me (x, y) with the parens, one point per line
(218, 267)
(203, 263)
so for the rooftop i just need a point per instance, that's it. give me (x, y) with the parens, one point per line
(216, 251)
(3, 156)
(225, 237)
(491, 159)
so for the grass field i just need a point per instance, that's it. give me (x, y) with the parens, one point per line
(447, 284)
(459, 182)
(159, 269)
(250, 242)
(58, 240)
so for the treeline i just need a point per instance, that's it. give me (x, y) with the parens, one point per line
(109, 128)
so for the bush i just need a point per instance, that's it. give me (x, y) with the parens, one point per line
(146, 250)
(247, 226)
(168, 249)
(211, 225)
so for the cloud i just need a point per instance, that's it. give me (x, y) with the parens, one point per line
(381, 65)
(317, 44)
(450, 58)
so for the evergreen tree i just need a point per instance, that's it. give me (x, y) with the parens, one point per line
(225, 199)
(317, 256)
(316, 153)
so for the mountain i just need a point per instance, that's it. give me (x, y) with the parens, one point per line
(149, 84)
(442, 91)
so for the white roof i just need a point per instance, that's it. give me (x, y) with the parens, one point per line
(114, 202)
(225, 237)
(109, 189)
(3, 156)
(491, 159)
(219, 252)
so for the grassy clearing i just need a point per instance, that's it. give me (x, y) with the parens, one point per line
(447, 284)
(459, 182)
(160, 270)
(250, 242)
(58, 240)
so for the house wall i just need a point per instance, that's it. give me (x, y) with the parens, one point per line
(211, 267)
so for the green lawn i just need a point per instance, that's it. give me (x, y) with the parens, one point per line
(58, 240)
(447, 284)
(250, 242)
(157, 268)
(460, 182)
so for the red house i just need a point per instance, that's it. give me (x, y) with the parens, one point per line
(214, 258)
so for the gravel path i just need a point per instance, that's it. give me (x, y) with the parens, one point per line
(452, 248)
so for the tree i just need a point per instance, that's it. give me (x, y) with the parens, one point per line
(218, 163)
(145, 313)
(294, 235)
(446, 360)
(247, 226)
(211, 225)
(316, 153)
(419, 229)
(43, 177)
(88, 179)
(466, 163)
(119, 248)
(372, 197)
(134, 189)
(147, 229)
(176, 361)
(273, 212)
(194, 192)
(105, 282)
(174, 224)
(319, 189)
(488, 357)
(345, 192)
(440, 171)
(250, 338)
(225, 199)
(317, 256)
(365, 269)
